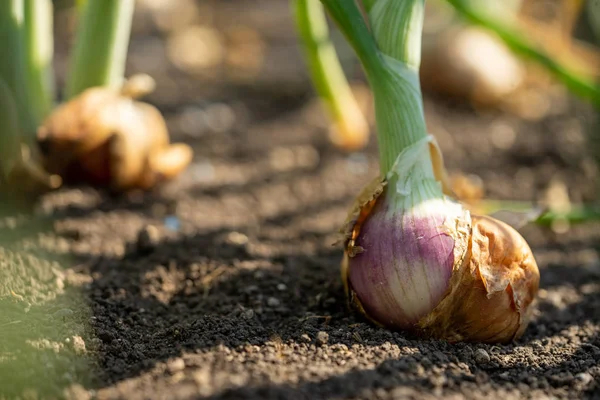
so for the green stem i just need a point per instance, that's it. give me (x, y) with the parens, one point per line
(578, 214)
(575, 216)
(352, 24)
(9, 139)
(368, 4)
(580, 85)
(38, 57)
(593, 13)
(328, 75)
(80, 4)
(12, 61)
(101, 45)
(391, 58)
(397, 27)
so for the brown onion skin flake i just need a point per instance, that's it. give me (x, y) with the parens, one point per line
(491, 296)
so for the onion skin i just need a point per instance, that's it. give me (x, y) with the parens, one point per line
(490, 275)
(414, 254)
(105, 138)
(491, 294)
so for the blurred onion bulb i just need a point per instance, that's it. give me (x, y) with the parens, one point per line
(105, 137)
(417, 260)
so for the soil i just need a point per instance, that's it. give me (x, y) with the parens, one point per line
(224, 284)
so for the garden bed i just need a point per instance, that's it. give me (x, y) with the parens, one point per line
(225, 283)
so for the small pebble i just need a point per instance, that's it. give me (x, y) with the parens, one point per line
(481, 356)
(78, 344)
(536, 345)
(281, 287)
(322, 337)
(148, 238)
(584, 378)
(248, 314)
(273, 302)
(305, 338)
(176, 365)
(237, 238)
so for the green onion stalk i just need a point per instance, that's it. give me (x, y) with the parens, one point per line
(13, 100)
(38, 58)
(80, 4)
(10, 141)
(350, 129)
(526, 212)
(593, 13)
(101, 45)
(414, 258)
(26, 91)
(12, 63)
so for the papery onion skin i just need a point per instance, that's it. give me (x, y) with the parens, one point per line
(492, 293)
(405, 268)
(492, 276)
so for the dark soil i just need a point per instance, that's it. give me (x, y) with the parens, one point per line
(225, 284)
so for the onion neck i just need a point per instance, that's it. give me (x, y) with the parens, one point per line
(397, 29)
(390, 53)
(411, 181)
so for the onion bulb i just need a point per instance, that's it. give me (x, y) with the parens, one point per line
(416, 260)
(106, 138)
(470, 63)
